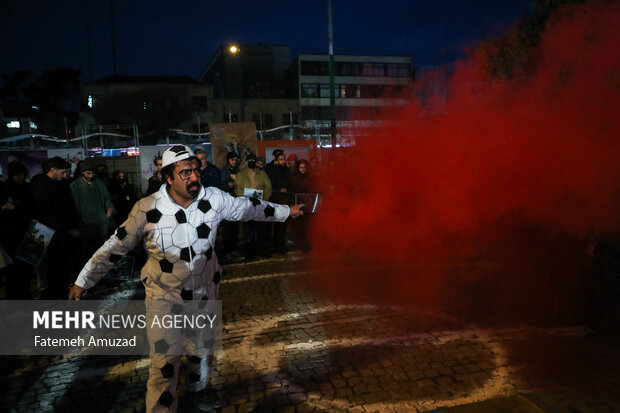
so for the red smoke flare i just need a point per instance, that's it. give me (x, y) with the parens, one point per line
(487, 199)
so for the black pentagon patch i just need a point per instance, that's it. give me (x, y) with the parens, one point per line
(255, 202)
(178, 149)
(180, 216)
(177, 309)
(185, 254)
(166, 266)
(216, 277)
(153, 216)
(161, 346)
(187, 295)
(194, 377)
(190, 333)
(269, 211)
(203, 303)
(204, 206)
(209, 253)
(166, 399)
(121, 233)
(167, 371)
(195, 359)
(114, 258)
(203, 231)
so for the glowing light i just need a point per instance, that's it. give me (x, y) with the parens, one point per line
(234, 49)
(90, 101)
(33, 125)
(13, 124)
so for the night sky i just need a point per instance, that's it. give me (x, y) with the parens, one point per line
(178, 37)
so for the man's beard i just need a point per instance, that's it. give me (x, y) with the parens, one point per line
(193, 189)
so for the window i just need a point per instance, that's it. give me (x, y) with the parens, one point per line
(324, 92)
(348, 91)
(346, 69)
(309, 90)
(371, 91)
(199, 102)
(397, 69)
(310, 68)
(324, 68)
(373, 69)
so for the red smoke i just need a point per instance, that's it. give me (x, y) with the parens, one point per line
(487, 198)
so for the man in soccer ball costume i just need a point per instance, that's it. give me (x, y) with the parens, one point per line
(178, 225)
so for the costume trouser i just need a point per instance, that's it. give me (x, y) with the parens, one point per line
(167, 346)
(161, 388)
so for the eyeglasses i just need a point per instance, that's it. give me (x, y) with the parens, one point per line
(184, 174)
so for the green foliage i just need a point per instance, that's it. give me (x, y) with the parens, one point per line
(515, 54)
(51, 98)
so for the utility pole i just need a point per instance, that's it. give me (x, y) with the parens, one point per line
(332, 94)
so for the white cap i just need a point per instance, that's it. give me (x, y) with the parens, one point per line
(176, 153)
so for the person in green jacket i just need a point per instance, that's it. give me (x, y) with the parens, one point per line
(94, 206)
(253, 183)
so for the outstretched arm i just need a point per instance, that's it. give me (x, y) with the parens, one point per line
(119, 244)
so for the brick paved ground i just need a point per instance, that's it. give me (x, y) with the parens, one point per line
(288, 350)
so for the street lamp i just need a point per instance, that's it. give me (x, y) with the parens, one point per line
(236, 50)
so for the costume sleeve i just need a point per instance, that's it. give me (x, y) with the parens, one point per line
(125, 238)
(244, 209)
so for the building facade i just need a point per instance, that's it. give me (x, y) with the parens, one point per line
(360, 82)
(154, 102)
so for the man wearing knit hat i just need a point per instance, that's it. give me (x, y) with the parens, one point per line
(178, 225)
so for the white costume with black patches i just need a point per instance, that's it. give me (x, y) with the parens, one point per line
(181, 266)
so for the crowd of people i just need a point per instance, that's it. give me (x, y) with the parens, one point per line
(82, 211)
(85, 207)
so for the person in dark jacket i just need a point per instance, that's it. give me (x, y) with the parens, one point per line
(54, 207)
(280, 178)
(155, 181)
(15, 216)
(230, 229)
(123, 194)
(301, 183)
(209, 174)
